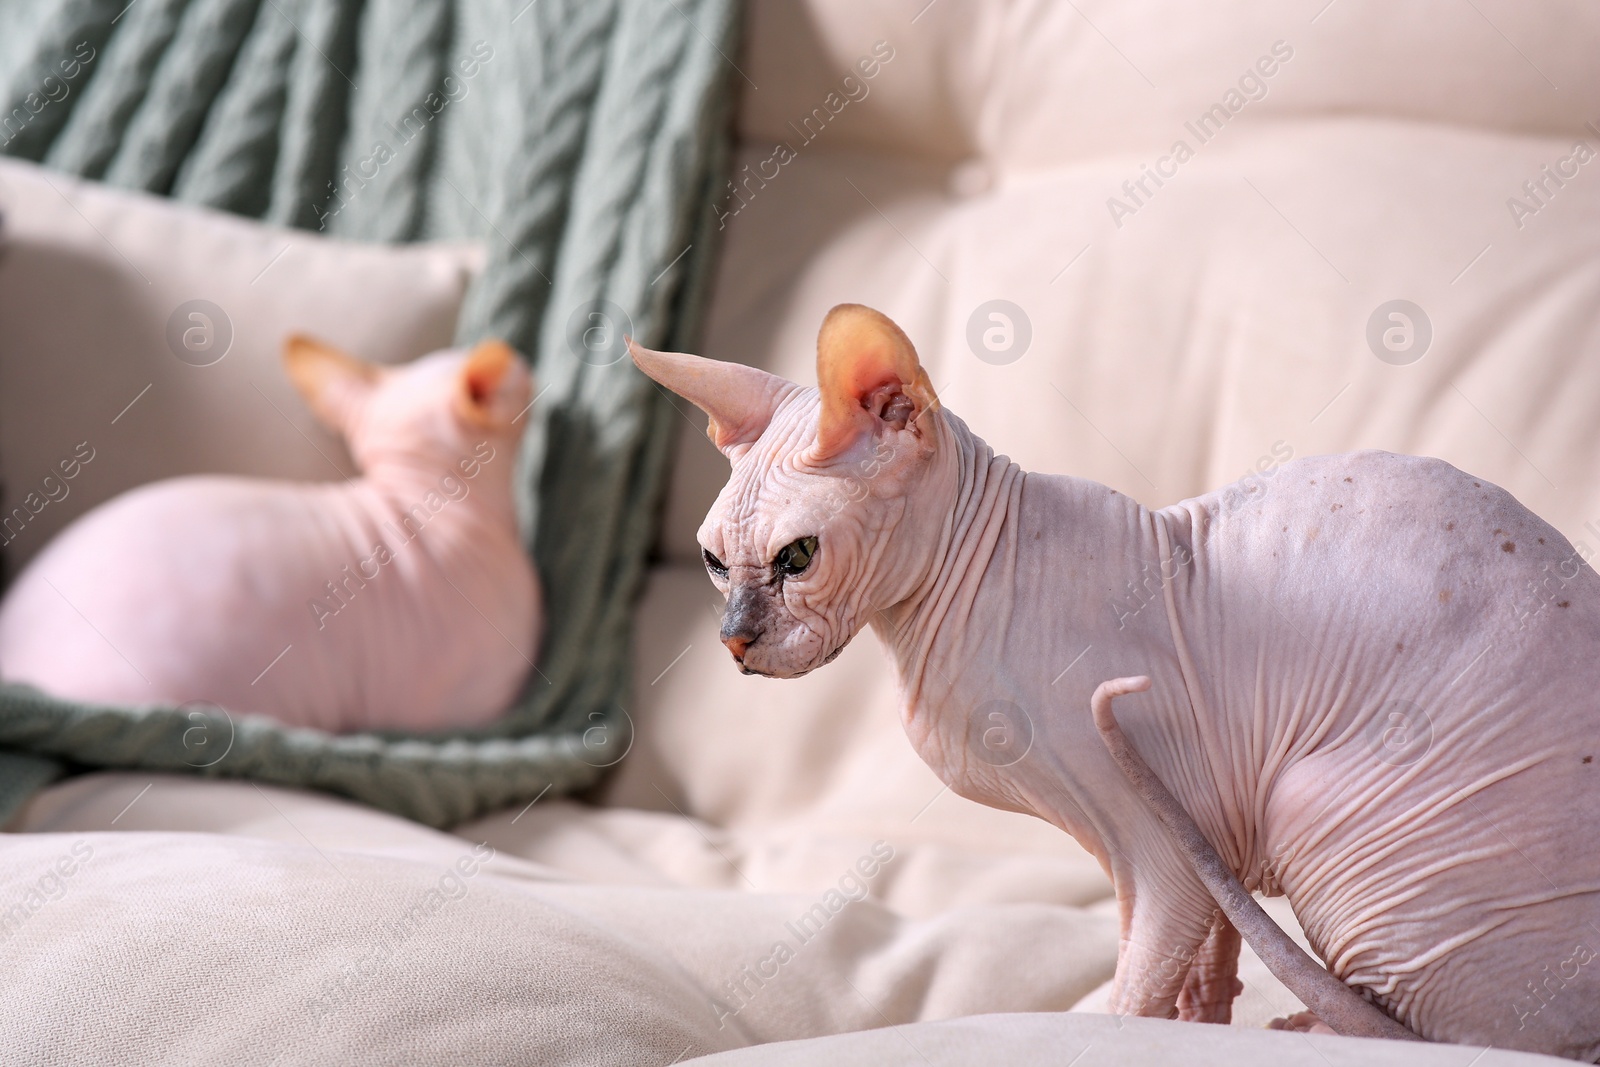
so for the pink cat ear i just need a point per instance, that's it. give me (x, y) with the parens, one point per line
(869, 377)
(740, 400)
(331, 380)
(485, 379)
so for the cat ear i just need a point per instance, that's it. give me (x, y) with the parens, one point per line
(869, 377)
(490, 392)
(332, 381)
(740, 400)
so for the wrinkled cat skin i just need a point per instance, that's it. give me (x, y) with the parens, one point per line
(1373, 682)
(402, 599)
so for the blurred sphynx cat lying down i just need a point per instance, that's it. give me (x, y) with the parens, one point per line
(402, 599)
(1448, 876)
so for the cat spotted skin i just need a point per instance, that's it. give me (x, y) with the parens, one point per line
(402, 599)
(1368, 682)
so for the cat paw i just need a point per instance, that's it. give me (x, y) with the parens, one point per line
(1304, 1022)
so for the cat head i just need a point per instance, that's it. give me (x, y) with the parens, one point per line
(835, 502)
(439, 406)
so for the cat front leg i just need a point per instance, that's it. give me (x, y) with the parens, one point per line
(1213, 981)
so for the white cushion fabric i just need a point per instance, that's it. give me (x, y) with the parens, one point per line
(1103, 1041)
(276, 915)
(1032, 84)
(91, 278)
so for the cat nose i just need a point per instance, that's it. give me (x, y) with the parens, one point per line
(741, 622)
(738, 642)
(739, 634)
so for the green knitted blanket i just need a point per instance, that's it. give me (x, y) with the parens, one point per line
(584, 157)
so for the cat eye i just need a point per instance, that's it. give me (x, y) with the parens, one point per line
(713, 564)
(796, 556)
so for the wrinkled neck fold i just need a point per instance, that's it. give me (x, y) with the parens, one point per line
(481, 470)
(987, 489)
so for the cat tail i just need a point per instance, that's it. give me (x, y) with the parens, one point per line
(1336, 1004)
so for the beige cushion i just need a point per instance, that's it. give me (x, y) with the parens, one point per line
(95, 282)
(1102, 1041)
(288, 924)
(1034, 85)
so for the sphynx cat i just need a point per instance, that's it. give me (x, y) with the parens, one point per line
(1369, 683)
(402, 599)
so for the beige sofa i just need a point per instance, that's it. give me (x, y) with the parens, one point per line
(1187, 319)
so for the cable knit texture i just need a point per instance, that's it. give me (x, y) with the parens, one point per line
(582, 151)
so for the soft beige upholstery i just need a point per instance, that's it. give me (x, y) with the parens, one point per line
(285, 894)
(1095, 1039)
(1223, 321)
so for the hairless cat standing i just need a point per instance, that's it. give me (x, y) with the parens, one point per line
(1369, 683)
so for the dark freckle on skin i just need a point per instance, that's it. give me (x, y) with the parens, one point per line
(1541, 540)
(1444, 596)
(1449, 526)
(1498, 531)
(1477, 485)
(1352, 481)
(1563, 603)
(1399, 646)
(1509, 546)
(1286, 529)
(1336, 507)
(1588, 759)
